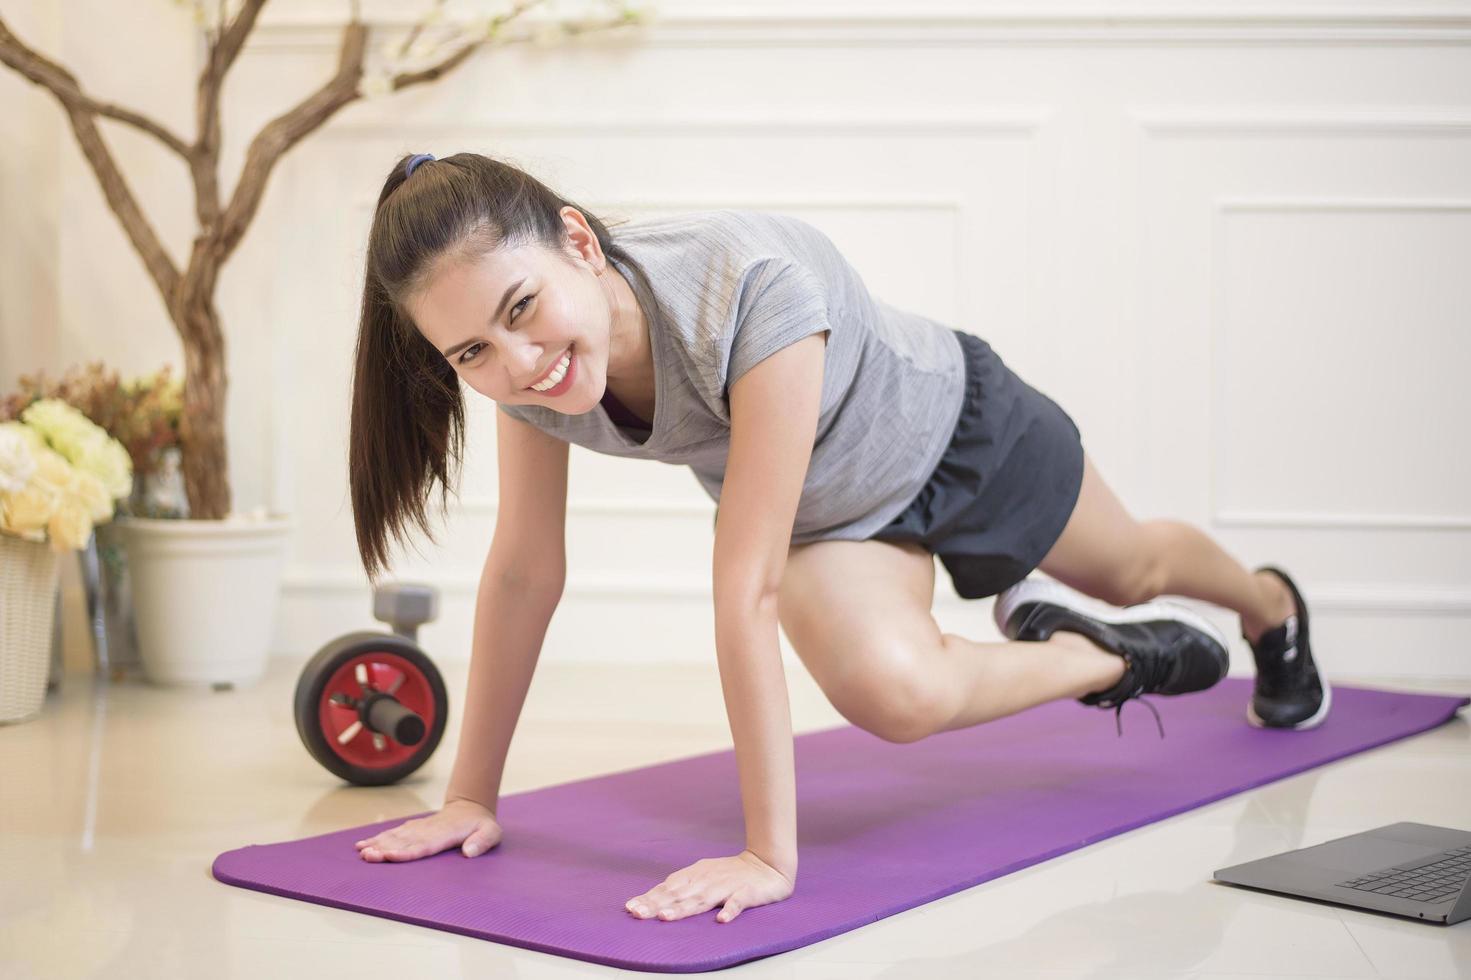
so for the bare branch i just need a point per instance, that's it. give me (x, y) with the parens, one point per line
(403, 80)
(62, 84)
(82, 114)
(234, 37)
(283, 132)
(138, 121)
(408, 42)
(205, 162)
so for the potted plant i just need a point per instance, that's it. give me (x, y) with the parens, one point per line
(143, 416)
(60, 474)
(189, 580)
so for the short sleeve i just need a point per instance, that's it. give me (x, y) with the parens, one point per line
(782, 303)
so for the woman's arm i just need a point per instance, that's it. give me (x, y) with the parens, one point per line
(520, 587)
(511, 620)
(773, 412)
(757, 707)
(774, 420)
(774, 409)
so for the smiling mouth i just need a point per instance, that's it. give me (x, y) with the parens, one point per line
(550, 370)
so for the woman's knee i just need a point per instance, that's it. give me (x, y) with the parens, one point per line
(898, 706)
(858, 616)
(889, 689)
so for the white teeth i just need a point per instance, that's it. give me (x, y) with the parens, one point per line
(558, 373)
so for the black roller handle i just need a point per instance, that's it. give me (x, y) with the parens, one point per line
(385, 713)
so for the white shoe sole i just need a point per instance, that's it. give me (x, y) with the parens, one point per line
(1044, 590)
(1313, 722)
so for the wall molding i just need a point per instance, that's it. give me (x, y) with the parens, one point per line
(338, 581)
(316, 25)
(1009, 121)
(1213, 123)
(1326, 520)
(1220, 122)
(700, 507)
(1341, 204)
(1228, 516)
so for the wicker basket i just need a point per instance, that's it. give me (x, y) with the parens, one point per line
(28, 578)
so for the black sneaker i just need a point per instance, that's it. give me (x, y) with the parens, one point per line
(1289, 691)
(1167, 648)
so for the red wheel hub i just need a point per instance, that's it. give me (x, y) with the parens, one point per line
(344, 730)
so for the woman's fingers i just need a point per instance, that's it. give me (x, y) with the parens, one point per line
(485, 836)
(424, 836)
(398, 852)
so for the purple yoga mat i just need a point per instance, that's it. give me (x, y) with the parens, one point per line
(883, 827)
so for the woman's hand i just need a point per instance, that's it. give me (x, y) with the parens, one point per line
(741, 882)
(458, 822)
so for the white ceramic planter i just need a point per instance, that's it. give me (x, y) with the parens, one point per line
(204, 596)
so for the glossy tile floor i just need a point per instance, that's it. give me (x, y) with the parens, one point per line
(116, 800)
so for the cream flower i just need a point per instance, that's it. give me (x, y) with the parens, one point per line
(17, 458)
(70, 527)
(59, 501)
(89, 491)
(65, 428)
(109, 464)
(26, 512)
(83, 443)
(52, 469)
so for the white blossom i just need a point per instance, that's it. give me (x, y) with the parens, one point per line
(17, 463)
(375, 83)
(423, 49)
(544, 35)
(637, 13)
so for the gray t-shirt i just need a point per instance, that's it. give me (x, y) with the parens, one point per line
(737, 286)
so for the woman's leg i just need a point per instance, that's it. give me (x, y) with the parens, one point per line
(1105, 553)
(858, 614)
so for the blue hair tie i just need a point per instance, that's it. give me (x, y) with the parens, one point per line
(414, 161)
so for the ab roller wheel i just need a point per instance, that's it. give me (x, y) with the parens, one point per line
(371, 707)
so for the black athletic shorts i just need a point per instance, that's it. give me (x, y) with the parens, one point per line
(1005, 486)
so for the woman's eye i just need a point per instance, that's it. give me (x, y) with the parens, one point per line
(470, 352)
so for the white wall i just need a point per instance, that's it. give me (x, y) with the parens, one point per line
(1231, 244)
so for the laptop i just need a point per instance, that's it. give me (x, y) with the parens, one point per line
(1409, 869)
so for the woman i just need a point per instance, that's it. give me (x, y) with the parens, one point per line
(847, 443)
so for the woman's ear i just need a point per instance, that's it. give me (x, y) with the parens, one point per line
(583, 242)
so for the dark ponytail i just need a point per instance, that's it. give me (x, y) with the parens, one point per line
(408, 413)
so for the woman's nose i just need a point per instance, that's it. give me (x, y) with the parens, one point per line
(527, 360)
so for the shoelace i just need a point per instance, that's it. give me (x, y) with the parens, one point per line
(1138, 671)
(1118, 713)
(1137, 694)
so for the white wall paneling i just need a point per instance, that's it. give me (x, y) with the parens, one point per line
(1228, 241)
(1303, 309)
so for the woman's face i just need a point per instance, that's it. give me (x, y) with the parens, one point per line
(504, 321)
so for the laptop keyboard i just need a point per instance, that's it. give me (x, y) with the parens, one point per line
(1441, 877)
